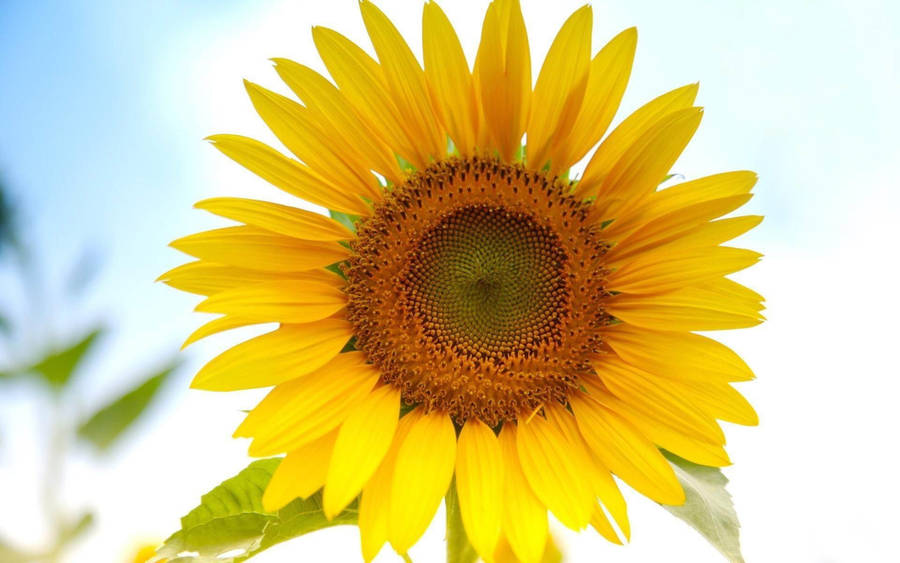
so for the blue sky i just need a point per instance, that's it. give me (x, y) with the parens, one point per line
(105, 104)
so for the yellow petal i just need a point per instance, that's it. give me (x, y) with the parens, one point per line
(300, 473)
(639, 389)
(362, 82)
(449, 79)
(692, 308)
(299, 411)
(671, 226)
(406, 82)
(677, 355)
(658, 273)
(362, 443)
(719, 400)
(607, 79)
(286, 301)
(689, 447)
(503, 76)
(560, 86)
(645, 163)
(258, 249)
(422, 475)
(611, 499)
(601, 524)
(706, 235)
(216, 326)
(524, 516)
(297, 129)
(281, 219)
(555, 470)
(626, 452)
(717, 186)
(207, 278)
(355, 135)
(479, 483)
(714, 233)
(283, 354)
(734, 292)
(594, 472)
(287, 174)
(629, 131)
(376, 496)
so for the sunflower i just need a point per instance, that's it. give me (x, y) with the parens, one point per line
(470, 316)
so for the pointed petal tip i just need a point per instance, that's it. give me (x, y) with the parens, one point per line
(197, 384)
(628, 37)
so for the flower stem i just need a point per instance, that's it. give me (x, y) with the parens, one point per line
(459, 550)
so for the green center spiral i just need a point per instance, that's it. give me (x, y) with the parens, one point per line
(488, 282)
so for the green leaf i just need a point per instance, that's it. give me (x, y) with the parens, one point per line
(107, 424)
(459, 550)
(230, 520)
(57, 367)
(344, 219)
(708, 507)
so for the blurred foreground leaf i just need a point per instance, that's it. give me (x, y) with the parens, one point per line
(69, 532)
(74, 529)
(7, 226)
(9, 554)
(57, 367)
(708, 507)
(107, 424)
(230, 524)
(83, 272)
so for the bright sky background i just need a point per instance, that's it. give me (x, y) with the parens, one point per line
(103, 108)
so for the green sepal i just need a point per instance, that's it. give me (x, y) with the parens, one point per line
(344, 219)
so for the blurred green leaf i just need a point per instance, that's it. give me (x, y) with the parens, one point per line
(708, 507)
(230, 520)
(7, 222)
(84, 271)
(110, 421)
(57, 367)
(9, 554)
(74, 530)
(5, 326)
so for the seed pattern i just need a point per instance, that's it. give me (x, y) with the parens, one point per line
(477, 288)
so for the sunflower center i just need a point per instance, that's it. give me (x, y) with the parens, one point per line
(487, 282)
(476, 288)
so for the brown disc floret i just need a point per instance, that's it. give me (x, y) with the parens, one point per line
(476, 287)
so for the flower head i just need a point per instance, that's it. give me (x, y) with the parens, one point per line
(480, 315)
